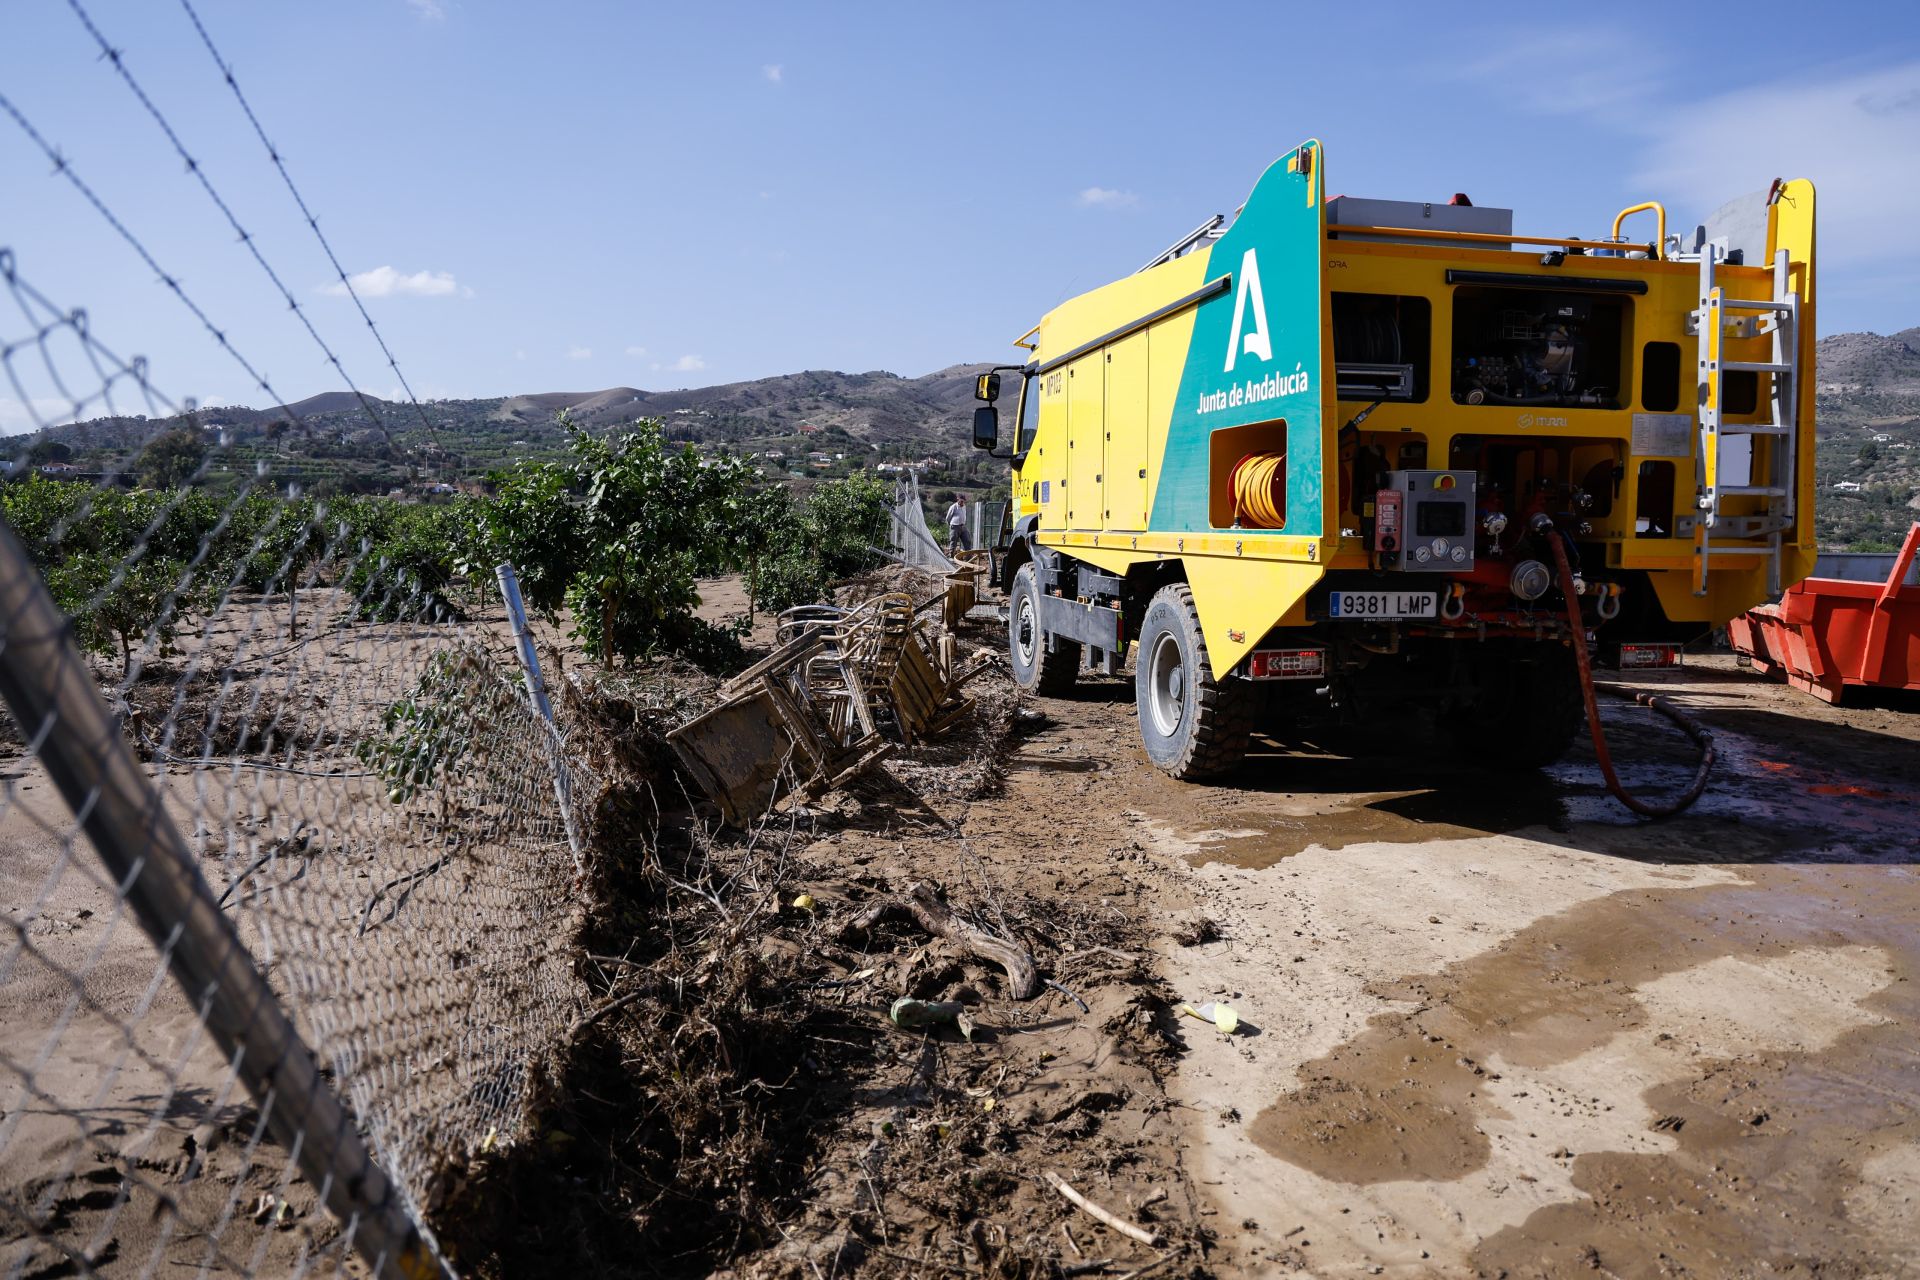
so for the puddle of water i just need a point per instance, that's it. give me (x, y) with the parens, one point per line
(1599, 1047)
(1756, 808)
(1467, 810)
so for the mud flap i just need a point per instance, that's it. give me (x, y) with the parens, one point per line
(1239, 601)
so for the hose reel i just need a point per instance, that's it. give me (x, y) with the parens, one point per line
(1260, 491)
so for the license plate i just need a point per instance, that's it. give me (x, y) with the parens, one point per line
(1380, 604)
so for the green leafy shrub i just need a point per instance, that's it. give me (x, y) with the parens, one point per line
(619, 536)
(411, 558)
(423, 736)
(532, 523)
(831, 535)
(118, 563)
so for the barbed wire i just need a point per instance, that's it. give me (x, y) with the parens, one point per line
(279, 163)
(114, 56)
(64, 168)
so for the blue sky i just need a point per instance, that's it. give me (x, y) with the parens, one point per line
(570, 196)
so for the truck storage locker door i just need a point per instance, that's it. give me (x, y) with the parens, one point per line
(1126, 465)
(1086, 388)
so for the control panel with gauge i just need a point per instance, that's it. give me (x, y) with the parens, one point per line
(1432, 525)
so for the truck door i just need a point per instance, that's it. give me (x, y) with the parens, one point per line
(1086, 443)
(1125, 505)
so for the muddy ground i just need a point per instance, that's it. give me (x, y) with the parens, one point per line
(1496, 1026)
(1488, 1025)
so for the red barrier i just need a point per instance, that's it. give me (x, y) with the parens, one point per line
(1826, 634)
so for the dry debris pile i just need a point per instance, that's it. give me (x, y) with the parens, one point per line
(846, 685)
(795, 1061)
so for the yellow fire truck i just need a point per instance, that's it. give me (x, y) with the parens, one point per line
(1320, 456)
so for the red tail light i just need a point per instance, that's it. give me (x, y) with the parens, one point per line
(1642, 656)
(1287, 664)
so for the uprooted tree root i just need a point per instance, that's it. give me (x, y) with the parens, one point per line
(733, 1098)
(658, 1140)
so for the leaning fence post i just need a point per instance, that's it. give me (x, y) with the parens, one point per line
(537, 689)
(51, 692)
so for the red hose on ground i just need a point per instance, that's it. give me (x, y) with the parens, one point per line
(1692, 728)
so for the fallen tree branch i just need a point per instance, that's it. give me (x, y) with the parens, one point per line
(1094, 1211)
(601, 1010)
(923, 903)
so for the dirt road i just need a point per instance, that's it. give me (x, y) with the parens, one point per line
(1495, 1026)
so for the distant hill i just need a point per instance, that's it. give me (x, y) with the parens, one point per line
(1867, 407)
(335, 441)
(1867, 392)
(878, 408)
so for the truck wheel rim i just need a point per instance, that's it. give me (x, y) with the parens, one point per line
(1166, 685)
(1023, 639)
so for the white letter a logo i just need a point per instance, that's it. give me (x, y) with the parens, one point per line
(1257, 343)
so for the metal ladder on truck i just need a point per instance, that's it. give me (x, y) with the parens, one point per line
(1718, 535)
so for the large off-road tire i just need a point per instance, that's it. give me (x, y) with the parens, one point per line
(1193, 724)
(1527, 710)
(1037, 667)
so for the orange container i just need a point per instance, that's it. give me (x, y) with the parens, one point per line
(1828, 634)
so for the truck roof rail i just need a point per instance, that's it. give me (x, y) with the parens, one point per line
(1212, 229)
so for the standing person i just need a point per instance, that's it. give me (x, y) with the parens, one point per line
(957, 524)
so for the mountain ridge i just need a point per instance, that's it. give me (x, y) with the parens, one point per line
(1867, 397)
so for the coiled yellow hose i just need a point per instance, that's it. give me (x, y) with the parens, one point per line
(1260, 491)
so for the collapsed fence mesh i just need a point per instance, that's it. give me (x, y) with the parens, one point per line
(908, 539)
(285, 868)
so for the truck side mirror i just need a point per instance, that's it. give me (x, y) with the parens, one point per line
(986, 427)
(987, 387)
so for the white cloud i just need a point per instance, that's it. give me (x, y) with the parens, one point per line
(1854, 132)
(428, 10)
(685, 364)
(1106, 198)
(385, 282)
(1856, 135)
(773, 71)
(636, 351)
(520, 354)
(579, 353)
(1603, 74)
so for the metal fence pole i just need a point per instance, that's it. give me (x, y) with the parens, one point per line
(52, 694)
(537, 688)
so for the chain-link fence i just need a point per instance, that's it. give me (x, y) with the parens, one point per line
(908, 539)
(286, 874)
